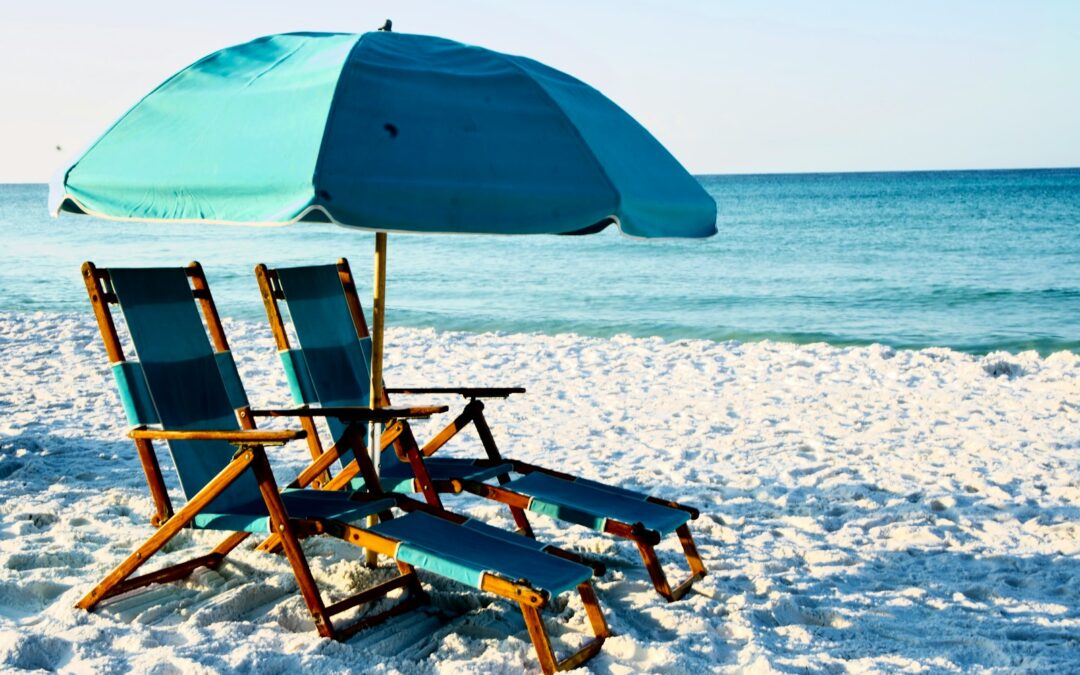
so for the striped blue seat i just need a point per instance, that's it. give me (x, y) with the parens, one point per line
(331, 367)
(180, 383)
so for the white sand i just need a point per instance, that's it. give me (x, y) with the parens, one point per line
(865, 510)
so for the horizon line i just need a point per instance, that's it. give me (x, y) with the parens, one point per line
(866, 171)
(6, 181)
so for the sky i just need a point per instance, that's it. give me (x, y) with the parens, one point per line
(727, 87)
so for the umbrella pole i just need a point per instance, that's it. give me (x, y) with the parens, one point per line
(378, 316)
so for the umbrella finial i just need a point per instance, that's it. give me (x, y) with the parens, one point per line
(388, 26)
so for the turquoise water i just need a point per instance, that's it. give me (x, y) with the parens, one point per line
(973, 260)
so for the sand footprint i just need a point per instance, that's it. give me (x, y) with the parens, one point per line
(27, 651)
(29, 561)
(786, 611)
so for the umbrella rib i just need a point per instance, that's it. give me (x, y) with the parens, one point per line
(339, 88)
(577, 133)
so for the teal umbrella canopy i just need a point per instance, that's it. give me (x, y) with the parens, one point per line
(384, 131)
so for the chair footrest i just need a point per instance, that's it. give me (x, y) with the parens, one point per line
(592, 504)
(466, 552)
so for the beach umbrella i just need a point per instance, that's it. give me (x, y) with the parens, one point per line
(386, 132)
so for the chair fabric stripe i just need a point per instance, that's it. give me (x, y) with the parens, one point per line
(182, 376)
(336, 361)
(134, 394)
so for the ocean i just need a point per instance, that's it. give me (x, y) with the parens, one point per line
(976, 261)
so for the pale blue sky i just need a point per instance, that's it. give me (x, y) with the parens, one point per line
(728, 87)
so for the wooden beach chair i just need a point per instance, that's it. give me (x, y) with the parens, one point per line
(184, 389)
(330, 367)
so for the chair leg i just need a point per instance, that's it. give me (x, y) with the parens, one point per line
(697, 566)
(592, 609)
(598, 567)
(517, 503)
(162, 505)
(166, 574)
(488, 441)
(542, 643)
(492, 450)
(167, 531)
(279, 519)
(406, 605)
(522, 522)
(321, 613)
(407, 580)
(228, 544)
(272, 544)
(308, 425)
(656, 570)
(415, 587)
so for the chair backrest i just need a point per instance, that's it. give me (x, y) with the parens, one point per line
(178, 380)
(331, 366)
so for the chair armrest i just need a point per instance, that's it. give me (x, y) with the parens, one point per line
(355, 413)
(467, 392)
(236, 436)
